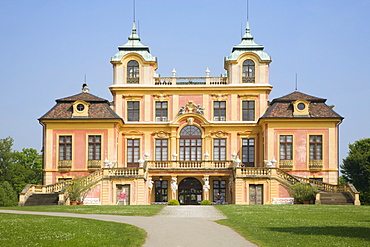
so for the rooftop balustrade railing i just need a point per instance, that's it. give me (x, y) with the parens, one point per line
(190, 81)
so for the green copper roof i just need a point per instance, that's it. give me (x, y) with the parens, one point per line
(134, 45)
(248, 45)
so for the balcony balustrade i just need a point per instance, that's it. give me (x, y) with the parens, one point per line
(315, 164)
(286, 164)
(65, 164)
(133, 80)
(249, 79)
(190, 164)
(94, 164)
(190, 81)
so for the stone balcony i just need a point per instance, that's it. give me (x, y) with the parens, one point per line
(65, 165)
(315, 165)
(286, 165)
(185, 165)
(94, 165)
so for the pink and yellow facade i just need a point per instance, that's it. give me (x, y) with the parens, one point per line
(190, 138)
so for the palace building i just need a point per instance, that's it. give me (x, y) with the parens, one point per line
(189, 138)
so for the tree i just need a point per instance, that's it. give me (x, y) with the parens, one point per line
(29, 164)
(19, 168)
(6, 156)
(356, 168)
(8, 197)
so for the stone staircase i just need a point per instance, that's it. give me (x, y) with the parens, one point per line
(48, 199)
(336, 198)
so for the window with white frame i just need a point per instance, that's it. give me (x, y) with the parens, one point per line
(219, 110)
(219, 149)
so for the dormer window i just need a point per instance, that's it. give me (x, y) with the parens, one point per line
(248, 71)
(80, 109)
(300, 108)
(133, 72)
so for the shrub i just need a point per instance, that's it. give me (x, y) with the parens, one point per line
(79, 188)
(206, 202)
(173, 202)
(8, 197)
(303, 192)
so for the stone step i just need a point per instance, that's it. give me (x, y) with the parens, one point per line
(336, 198)
(42, 200)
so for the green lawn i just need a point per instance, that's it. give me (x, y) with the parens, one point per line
(129, 210)
(37, 230)
(300, 225)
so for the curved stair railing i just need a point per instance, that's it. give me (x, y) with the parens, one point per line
(289, 179)
(96, 176)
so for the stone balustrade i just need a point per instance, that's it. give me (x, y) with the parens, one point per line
(190, 81)
(190, 164)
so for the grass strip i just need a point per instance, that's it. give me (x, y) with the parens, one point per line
(129, 210)
(38, 230)
(300, 225)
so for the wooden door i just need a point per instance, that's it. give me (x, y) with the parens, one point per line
(255, 194)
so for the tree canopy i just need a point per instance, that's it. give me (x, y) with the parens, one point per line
(17, 169)
(356, 167)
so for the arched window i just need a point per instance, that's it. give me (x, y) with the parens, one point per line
(248, 71)
(132, 72)
(190, 144)
(190, 130)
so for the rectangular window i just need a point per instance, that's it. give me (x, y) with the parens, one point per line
(161, 191)
(219, 149)
(248, 152)
(161, 109)
(248, 110)
(219, 189)
(190, 149)
(65, 147)
(219, 110)
(315, 147)
(94, 147)
(133, 111)
(161, 149)
(133, 152)
(286, 147)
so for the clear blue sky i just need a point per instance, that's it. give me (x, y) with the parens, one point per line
(46, 48)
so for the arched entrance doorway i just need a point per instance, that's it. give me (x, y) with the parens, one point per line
(190, 191)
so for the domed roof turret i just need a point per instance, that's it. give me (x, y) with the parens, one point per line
(248, 45)
(134, 45)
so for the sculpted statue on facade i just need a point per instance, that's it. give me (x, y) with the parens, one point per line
(173, 184)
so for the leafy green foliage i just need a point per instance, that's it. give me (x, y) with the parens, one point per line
(18, 168)
(37, 230)
(173, 202)
(8, 197)
(356, 168)
(206, 202)
(300, 225)
(6, 157)
(303, 192)
(78, 189)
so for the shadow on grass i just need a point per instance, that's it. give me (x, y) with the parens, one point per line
(336, 231)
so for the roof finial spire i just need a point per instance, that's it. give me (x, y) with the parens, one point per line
(296, 82)
(133, 9)
(247, 10)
